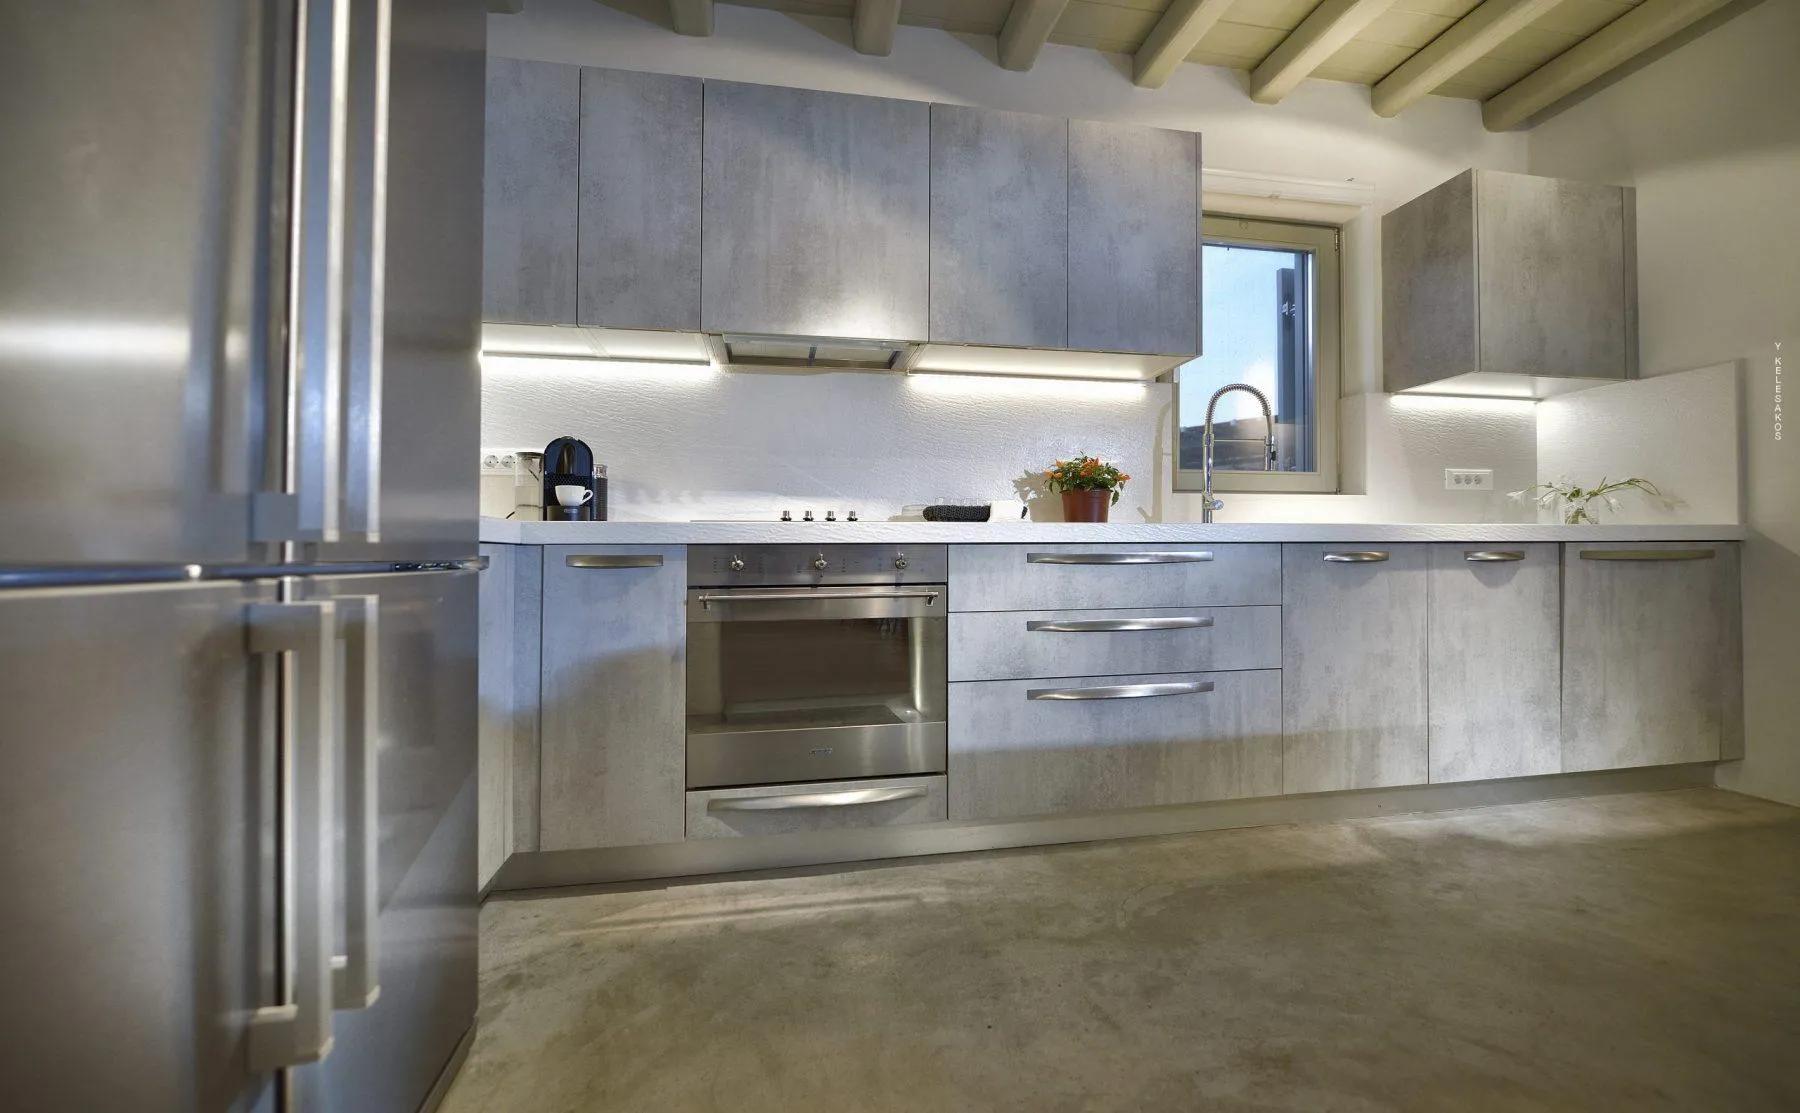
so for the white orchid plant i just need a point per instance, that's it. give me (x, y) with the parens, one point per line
(1577, 503)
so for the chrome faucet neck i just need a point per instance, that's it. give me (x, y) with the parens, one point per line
(1208, 504)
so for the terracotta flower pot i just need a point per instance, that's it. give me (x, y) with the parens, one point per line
(1086, 506)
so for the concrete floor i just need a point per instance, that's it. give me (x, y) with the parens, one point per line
(1619, 953)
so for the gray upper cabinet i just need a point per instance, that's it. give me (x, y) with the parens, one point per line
(1494, 273)
(1651, 667)
(1353, 653)
(999, 228)
(1134, 239)
(816, 213)
(639, 239)
(529, 191)
(1495, 687)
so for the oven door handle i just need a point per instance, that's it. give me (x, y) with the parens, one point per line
(706, 601)
(795, 801)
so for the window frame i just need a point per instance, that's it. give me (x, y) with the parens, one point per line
(1325, 241)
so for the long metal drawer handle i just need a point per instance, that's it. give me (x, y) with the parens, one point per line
(298, 1030)
(848, 798)
(1493, 556)
(598, 560)
(815, 596)
(1120, 625)
(1648, 554)
(356, 981)
(1363, 556)
(371, 54)
(1116, 558)
(1124, 691)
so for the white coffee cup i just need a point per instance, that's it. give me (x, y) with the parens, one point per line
(572, 495)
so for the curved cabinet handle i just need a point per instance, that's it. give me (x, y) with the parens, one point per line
(1117, 558)
(800, 801)
(1493, 556)
(1123, 691)
(611, 560)
(1359, 556)
(1648, 554)
(815, 595)
(298, 1030)
(1120, 625)
(356, 983)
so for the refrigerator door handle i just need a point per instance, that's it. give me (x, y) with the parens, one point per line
(371, 53)
(298, 1029)
(356, 982)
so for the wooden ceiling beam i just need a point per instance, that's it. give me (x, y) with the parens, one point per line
(1464, 42)
(1173, 38)
(1592, 58)
(1027, 29)
(1319, 36)
(872, 27)
(691, 17)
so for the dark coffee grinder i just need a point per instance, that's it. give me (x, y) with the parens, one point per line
(570, 463)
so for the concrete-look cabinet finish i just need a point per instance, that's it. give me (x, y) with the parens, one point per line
(639, 240)
(529, 191)
(1495, 683)
(1134, 238)
(999, 228)
(816, 213)
(614, 697)
(1652, 665)
(1217, 736)
(1073, 577)
(1353, 657)
(1496, 273)
(721, 813)
(1015, 645)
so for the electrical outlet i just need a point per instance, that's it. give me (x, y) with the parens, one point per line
(498, 462)
(1468, 479)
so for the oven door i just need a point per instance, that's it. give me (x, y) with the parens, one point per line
(815, 684)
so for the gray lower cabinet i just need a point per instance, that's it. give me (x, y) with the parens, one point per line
(816, 213)
(1353, 651)
(639, 242)
(1014, 645)
(1038, 747)
(1134, 238)
(1495, 682)
(1651, 672)
(529, 192)
(730, 813)
(999, 228)
(614, 697)
(1073, 577)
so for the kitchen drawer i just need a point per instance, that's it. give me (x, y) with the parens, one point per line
(1036, 747)
(730, 813)
(1012, 645)
(1070, 577)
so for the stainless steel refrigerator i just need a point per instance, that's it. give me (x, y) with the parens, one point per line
(240, 257)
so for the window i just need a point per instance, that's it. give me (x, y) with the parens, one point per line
(1270, 319)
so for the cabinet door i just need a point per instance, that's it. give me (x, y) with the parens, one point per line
(1134, 239)
(999, 228)
(1557, 276)
(640, 201)
(816, 213)
(1495, 687)
(1037, 747)
(1647, 653)
(529, 192)
(1353, 666)
(614, 696)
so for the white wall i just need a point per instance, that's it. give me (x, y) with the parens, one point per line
(1710, 136)
(740, 438)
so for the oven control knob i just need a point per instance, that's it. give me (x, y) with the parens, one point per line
(821, 563)
(737, 564)
(900, 562)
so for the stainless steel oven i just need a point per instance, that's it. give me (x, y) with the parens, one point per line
(815, 663)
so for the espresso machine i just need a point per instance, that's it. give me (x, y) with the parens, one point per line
(568, 463)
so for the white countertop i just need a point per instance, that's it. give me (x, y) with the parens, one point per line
(502, 531)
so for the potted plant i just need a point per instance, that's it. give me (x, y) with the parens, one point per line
(1577, 502)
(1088, 487)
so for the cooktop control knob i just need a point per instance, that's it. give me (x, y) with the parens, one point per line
(820, 563)
(900, 562)
(787, 515)
(831, 515)
(852, 517)
(737, 564)
(808, 517)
